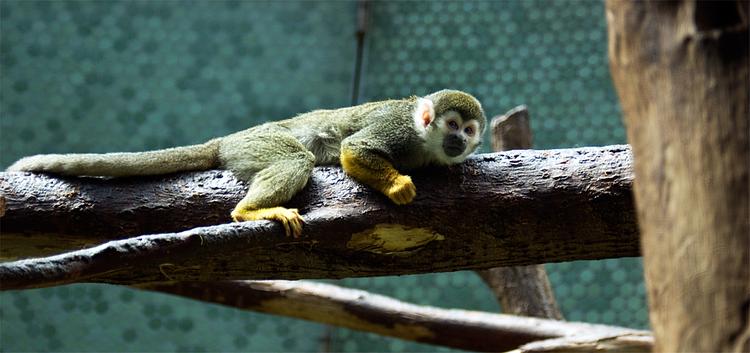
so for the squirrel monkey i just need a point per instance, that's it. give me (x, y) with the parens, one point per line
(372, 142)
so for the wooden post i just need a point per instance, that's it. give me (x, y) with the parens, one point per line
(681, 71)
(521, 290)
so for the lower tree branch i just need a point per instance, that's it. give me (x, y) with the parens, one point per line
(364, 311)
(585, 343)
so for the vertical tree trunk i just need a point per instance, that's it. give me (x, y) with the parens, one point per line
(681, 71)
(521, 290)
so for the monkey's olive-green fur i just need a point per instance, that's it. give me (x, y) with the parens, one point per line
(372, 142)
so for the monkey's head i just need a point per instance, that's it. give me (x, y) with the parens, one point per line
(452, 124)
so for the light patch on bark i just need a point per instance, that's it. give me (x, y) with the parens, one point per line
(336, 314)
(392, 239)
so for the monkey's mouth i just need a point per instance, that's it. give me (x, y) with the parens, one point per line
(453, 150)
(454, 145)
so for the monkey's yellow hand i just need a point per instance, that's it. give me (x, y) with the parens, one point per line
(289, 218)
(375, 171)
(402, 190)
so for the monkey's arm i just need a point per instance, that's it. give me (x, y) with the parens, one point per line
(363, 160)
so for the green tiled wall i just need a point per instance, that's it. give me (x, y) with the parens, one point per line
(130, 75)
(98, 76)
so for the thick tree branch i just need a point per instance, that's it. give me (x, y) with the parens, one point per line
(513, 208)
(521, 290)
(682, 72)
(364, 311)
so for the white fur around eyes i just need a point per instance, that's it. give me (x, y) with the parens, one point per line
(435, 132)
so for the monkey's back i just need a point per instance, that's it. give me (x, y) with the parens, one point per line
(321, 131)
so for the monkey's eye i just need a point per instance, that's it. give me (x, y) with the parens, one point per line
(453, 125)
(469, 131)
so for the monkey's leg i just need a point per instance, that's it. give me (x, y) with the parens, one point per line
(280, 167)
(369, 168)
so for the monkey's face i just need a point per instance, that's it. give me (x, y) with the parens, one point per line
(451, 138)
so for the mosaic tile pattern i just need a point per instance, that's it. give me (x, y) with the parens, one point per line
(549, 55)
(98, 76)
(144, 75)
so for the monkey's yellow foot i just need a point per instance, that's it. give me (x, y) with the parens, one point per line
(288, 217)
(402, 190)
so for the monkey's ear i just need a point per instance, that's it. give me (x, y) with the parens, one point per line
(424, 114)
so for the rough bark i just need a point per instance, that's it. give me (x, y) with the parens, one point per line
(360, 310)
(521, 290)
(681, 71)
(585, 343)
(516, 208)
(512, 130)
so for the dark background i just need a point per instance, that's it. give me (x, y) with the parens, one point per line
(85, 76)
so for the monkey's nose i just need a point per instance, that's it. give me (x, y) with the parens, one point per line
(454, 145)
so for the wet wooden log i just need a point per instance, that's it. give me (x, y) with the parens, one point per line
(512, 208)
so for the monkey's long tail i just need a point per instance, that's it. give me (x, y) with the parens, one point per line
(195, 157)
